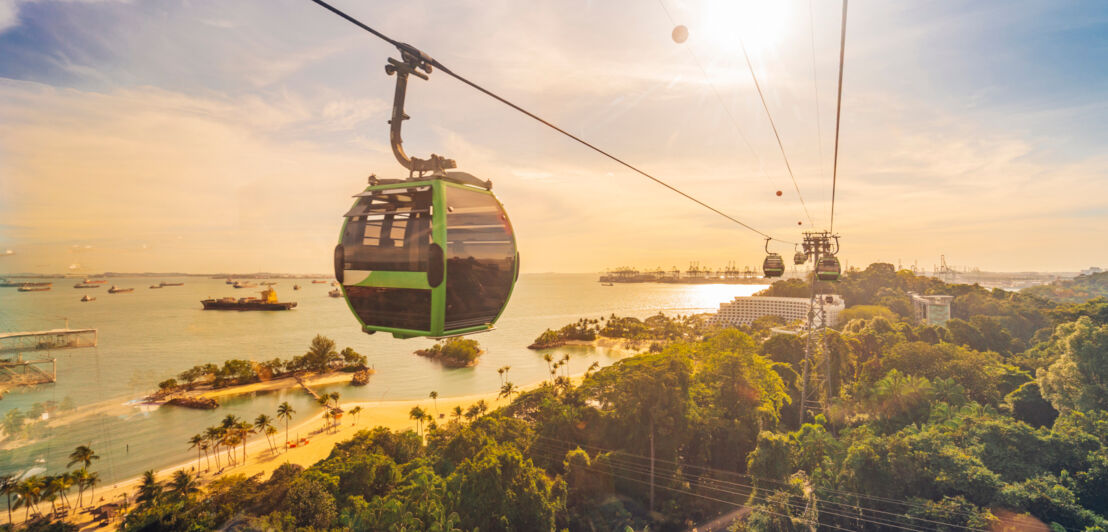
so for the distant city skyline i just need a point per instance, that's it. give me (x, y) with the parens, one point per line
(204, 136)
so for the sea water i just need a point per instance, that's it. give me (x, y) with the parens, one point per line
(150, 335)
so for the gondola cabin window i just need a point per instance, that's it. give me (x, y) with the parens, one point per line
(480, 268)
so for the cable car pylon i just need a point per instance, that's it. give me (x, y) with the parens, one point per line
(822, 247)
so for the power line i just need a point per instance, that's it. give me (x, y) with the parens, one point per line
(838, 114)
(546, 123)
(776, 135)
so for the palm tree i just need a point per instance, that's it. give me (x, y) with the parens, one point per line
(83, 454)
(507, 390)
(269, 432)
(335, 398)
(327, 418)
(197, 441)
(285, 411)
(213, 435)
(354, 412)
(29, 490)
(435, 397)
(92, 480)
(56, 486)
(324, 400)
(80, 477)
(7, 487)
(149, 490)
(592, 367)
(417, 414)
(262, 424)
(549, 365)
(183, 484)
(244, 429)
(482, 406)
(229, 421)
(458, 412)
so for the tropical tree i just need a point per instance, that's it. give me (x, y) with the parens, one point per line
(197, 442)
(435, 397)
(30, 490)
(7, 487)
(214, 436)
(262, 424)
(354, 412)
(149, 489)
(80, 478)
(91, 481)
(285, 411)
(57, 486)
(244, 429)
(417, 414)
(457, 412)
(507, 390)
(183, 484)
(549, 365)
(83, 454)
(269, 432)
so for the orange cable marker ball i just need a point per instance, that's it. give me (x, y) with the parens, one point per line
(680, 34)
(778, 193)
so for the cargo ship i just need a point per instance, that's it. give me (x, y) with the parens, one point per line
(116, 290)
(164, 284)
(267, 302)
(85, 284)
(29, 287)
(19, 284)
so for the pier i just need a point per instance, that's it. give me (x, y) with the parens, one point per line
(16, 371)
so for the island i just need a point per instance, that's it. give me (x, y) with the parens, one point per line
(454, 352)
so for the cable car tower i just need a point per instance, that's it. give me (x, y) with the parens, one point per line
(821, 247)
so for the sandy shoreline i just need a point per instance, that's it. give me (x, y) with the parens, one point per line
(260, 459)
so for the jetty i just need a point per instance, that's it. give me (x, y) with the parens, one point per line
(15, 370)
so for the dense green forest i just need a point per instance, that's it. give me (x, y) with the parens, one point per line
(998, 418)
(1081, 288)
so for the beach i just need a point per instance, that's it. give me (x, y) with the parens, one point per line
(393, 415)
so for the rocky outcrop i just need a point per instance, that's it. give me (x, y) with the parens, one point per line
(199, 403)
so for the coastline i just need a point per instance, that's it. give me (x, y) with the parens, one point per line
(260, 460)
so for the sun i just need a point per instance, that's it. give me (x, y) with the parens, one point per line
(760, 24)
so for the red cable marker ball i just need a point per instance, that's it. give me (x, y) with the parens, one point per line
(799, 223)
(778, 193)
(680, 34)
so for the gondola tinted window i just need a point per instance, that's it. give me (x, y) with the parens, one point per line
(402, 308)
(389, 231)
(480, 267)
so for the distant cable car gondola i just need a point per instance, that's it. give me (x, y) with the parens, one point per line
(799, 257)
(431, 255)
(773, 265)
(828, 268)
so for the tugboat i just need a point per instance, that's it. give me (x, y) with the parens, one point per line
(267, 302)
(116, 290)
(244, 284)
(335, 293)
(229, 281)
(296, 287)
(87, 298)
(155, 286)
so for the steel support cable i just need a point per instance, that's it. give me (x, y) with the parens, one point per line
(815, 92)
(841, 493)
(776, 135)
(838, 116)
(756, 498)
(479, 88)
(894, 519)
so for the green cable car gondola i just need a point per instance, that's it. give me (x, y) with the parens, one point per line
(431, 255)
(828, 268)
(799, 258)
(773, 265)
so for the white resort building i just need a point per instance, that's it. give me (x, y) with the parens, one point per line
(745, 309)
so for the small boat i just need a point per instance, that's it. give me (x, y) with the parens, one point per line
(155, 286)
(29, 288)
(244, 284)
(335, 293)
(87, 298)
(268, 283)
(229, 281)
(317, 281)
(116, 290)
(296, 287)
(85, 284)
(163, 284)
(607, 284)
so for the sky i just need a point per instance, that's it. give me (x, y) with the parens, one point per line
(206, 136)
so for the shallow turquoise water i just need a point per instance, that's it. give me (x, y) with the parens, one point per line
(150, 335)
